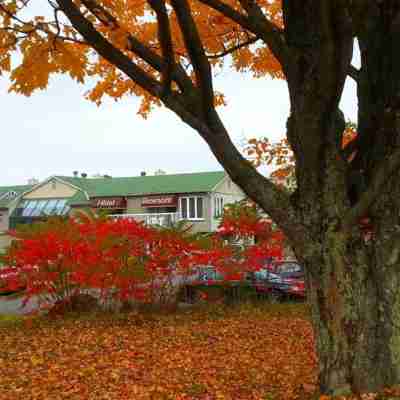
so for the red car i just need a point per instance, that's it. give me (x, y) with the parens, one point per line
(10, 280)
(280, 280)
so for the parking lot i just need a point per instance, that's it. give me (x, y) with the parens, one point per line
(11, 305)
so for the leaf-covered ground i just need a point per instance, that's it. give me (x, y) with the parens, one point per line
(263, 352)
(244, 353)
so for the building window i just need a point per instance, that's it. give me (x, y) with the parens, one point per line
(37, 211)
(200, 207)
(50, 206)
(192, 207)
(184, 212)
(9, 195)
(28, 208)
(218, 206)
(42, 207)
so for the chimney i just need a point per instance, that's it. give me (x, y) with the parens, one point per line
(33, 181)
(143, 173)
(84, 175)
(75, 173)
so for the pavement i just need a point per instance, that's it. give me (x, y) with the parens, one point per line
(10, 305)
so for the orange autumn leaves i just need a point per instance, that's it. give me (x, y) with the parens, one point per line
(279, 156)
(48, 49)
(185, 356)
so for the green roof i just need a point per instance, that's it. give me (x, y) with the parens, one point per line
(145, 185)
(6, 201)
(78, 199)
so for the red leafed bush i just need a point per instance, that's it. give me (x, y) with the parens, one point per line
(243, 221)
(60, 258)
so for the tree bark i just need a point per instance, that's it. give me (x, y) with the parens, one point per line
(352, 283)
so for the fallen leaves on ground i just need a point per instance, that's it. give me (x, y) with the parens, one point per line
(246, 353)
(263, 352)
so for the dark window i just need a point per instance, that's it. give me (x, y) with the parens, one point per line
(192, 207)
(199, 207)
(184, 208)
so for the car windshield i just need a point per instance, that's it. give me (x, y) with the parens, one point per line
(261, 274)
(209, 274)
(274, 277)
(288, 267)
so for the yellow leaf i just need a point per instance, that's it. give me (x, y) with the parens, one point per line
(35, 360)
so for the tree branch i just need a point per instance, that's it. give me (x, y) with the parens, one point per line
(230, 13)
(258, 24)
(194, 46)
(233, 49)
(354, 73)
(107, 50)
(165, 39)
(351, 148)
(178, 74)
(383, 173)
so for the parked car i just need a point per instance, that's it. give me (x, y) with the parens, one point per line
(280, 280)
(287, 268)
(10, 281)
(208, 279)
(208, 275)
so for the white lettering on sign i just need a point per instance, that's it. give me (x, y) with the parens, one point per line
(159, 201)
(109, 203)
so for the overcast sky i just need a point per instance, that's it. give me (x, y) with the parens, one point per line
(57, 131)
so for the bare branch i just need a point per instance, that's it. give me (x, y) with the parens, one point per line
(107, 50)
(165, 39)
(258, 24)
(230, 13)
(383, 173)
(351, 148)
(233, 49)
(354, 73)
(196, 52)
(179, 75)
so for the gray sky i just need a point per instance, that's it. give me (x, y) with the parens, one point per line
(57, 131)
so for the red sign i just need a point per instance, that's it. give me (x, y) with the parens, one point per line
(160, 201)
(109, 202)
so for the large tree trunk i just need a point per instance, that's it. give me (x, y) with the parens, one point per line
(353, 278)
(352, 282)
(353, 337)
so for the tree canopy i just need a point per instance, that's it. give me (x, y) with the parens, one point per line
(148, 33)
